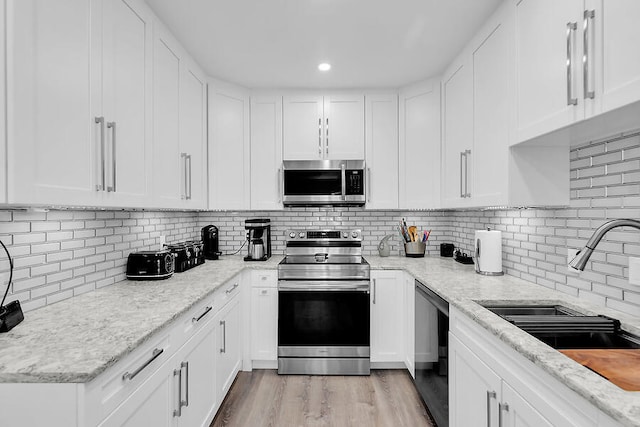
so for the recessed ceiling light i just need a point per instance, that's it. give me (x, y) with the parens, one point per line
(325, 66)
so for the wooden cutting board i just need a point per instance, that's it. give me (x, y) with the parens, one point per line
(621, 367)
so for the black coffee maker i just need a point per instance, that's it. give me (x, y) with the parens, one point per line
(210, 241)
(258, 239)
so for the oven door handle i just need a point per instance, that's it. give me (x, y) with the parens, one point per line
(324, 285)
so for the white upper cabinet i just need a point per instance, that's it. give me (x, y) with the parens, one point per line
(229, 158)
(320, 127)
(419, 155)
(266, 152)
(547, 41)
(78, 111)
(381, 141)
(54, 142)
(3, 93)
(617, 69)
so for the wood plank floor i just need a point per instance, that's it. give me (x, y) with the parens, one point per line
(264, 398)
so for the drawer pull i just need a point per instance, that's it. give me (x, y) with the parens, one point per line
(131, 375)
(223, 349)
(231, 289)
(206, 311)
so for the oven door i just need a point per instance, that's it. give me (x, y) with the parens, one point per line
(323, 318)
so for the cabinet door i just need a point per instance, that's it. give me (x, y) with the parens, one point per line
(387, 316)
(381, 136)
(127, 77)
(229, 157)
(617, 33)
(197, 362)
(229, 354)
(193, 133)
(264, 324)
(419, 162)
(52, 137)
(493, 75)
(344, 127)
(518, 411)
(266, 153)
(457, 138)
(410, 323)
(168, 170)
(3, 94)
(152, 404)
(544, 88)
(474, 389)
(303, 127)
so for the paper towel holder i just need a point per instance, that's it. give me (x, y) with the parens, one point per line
(477, 257)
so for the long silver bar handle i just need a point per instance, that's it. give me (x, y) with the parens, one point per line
(490, 395)
(571, 27)
(223, 323)
(178, 373)
(327, 136)
(502, 407)
(343, 175)
(462, 195)
(467, 153)
(131, 375)
(368, 185)
(183, 161)
(186, 385)
(280, 181)
(588, 15)
(100, 187)
(204, 313)
(232, 288)
(320, 137)
(188, 159)
(373, 282)
(112, 126)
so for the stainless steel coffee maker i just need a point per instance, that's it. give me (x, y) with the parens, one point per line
(258, 239)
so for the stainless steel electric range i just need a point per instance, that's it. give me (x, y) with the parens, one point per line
(323, 304)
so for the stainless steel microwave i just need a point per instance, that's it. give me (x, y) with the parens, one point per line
(323, 183)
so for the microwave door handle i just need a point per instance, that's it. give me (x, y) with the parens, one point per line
(344, 181)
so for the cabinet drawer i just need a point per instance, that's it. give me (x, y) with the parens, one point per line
(111, 388)
(195, 319)
(227, 292)
(264, 279)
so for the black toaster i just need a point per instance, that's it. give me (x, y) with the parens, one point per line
(150, 265)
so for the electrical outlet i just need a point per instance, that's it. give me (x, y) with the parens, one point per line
(4, 279)
(571, 254)
(163, 241)
(634, 271)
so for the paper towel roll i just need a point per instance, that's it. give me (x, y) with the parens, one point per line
(488, 252)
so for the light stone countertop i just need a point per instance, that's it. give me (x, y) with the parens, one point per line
(77, 339)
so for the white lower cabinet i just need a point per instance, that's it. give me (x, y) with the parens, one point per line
(264, 319)
(229, 343)
(387, 316)
(410, 323)
(491, 384)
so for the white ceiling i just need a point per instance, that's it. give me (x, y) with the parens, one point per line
(279, 43)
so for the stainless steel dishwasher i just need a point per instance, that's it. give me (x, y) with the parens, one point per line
(431, 352)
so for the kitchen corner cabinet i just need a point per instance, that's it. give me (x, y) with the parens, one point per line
(381, 146)
(573, 62)
(229, 150)
(419, 146)
(179, 126)
(317, 127)
(84, 140)
(387, 316)
(490, 381)
(266, 152)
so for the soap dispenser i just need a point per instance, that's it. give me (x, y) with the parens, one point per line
(384, 247)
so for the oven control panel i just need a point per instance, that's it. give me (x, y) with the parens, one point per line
(324, 235)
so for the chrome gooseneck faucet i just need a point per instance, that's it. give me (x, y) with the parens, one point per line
(581, 258)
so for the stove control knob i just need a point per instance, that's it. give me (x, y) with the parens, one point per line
(345, 234)
(292, 235)
(301, 235)
(354, 234)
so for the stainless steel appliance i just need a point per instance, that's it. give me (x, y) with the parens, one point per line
(186, 255)
(210, 242)
(324, 182)
(323, 304)
(258, 238)
(431, 352)
(150, 265)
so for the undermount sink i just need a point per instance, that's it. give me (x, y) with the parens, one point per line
(563, 328)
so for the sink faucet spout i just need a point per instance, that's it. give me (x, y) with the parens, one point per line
(581, 258)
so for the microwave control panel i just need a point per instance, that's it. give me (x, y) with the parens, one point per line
(354, 184)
